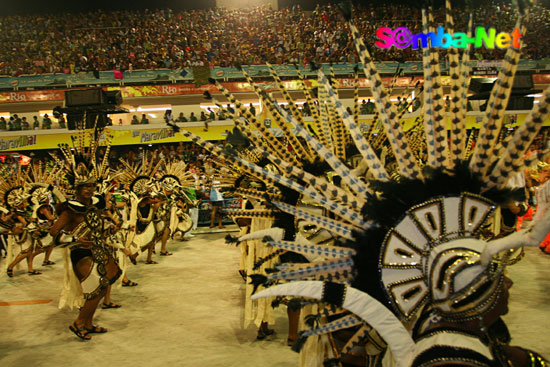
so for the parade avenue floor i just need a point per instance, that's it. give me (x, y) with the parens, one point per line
(188, 311)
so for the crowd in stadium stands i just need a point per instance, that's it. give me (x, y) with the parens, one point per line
(152, 39)
(366, 107)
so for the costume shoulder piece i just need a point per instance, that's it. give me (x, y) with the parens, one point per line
(98, 202)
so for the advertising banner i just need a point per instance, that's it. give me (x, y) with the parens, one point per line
(159, 134)
(185, 76)
(121, 136)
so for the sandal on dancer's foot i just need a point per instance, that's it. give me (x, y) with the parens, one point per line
(166, 253)
(9, 272)
(263, 333)
(151, 262)
(96, 330)
(34, 272)
(46, 263)
(110, 305)
(81, 332)
(129, 283)
(133, 259)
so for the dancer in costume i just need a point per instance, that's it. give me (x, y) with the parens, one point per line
(41, 181)
(144, 201)
(122, 216)
(175, 182)
(541, 193)
(81, 227)
(21, 244)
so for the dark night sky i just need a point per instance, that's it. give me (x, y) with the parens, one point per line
(8, 7)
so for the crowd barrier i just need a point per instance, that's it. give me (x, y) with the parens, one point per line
(28, 140)
(166, 76)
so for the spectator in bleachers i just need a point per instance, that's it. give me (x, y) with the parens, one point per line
(46, 122)
(25, 124)
(35, 123)
(370, 107)
(182, 118)
(144, 119)
(192, 117)
(363, 108)
(3, 124)
(16, 122)
(168, 116)
(134, 120)
(10, 124)
(61, 121)
(211, 114)
(203, 116)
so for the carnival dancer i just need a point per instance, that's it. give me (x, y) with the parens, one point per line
(124, 218)
(146, 231)
(21, 245)
(174, 182)
(42, 218)
(90, 266)
(164, 216)
(41, 193)
(541, 193)
(17, 218)
(144, 201)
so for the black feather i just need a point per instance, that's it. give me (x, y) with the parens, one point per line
(299, 343)
(257, 280)
(311, 320)
(263, 260)
(318, 166)
(237, 138)
(211, 80)
(231, 240)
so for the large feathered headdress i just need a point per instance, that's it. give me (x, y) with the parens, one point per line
(81, 161)
(13, 187)
(139, 176)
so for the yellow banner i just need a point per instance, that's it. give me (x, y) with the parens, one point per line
(136, 135)
(44, 140)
